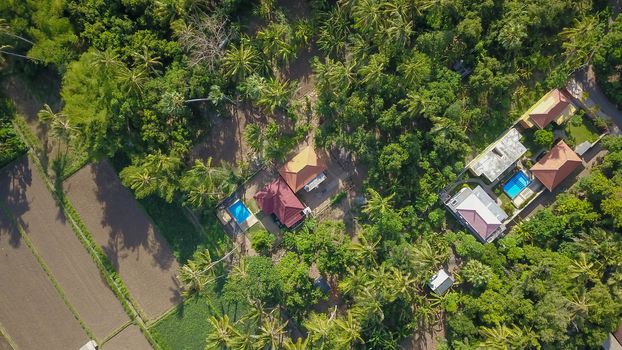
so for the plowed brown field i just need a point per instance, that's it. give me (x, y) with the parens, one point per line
(125, 232)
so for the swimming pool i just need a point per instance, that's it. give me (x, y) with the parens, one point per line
(239, 211)
(516, 184)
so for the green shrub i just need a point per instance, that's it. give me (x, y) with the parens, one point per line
(601, 124)
(338, 198)
(544, 138)
(262, 241)
(11, 146)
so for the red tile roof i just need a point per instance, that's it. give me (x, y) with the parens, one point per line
(481, 219)
(277, 198)
(556, 165)
(301, 169)
(549, 109)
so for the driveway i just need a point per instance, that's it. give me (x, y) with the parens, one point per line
(585, 81)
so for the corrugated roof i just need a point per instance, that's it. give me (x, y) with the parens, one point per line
(440, 282)
(301, 169)
(549, 109)
(556, 165)
(277, 198)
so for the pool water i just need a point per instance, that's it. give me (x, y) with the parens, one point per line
(516, 184)
(239, 211)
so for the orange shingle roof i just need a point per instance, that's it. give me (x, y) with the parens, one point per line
(549, 109)
(301, 169)
(556, 165)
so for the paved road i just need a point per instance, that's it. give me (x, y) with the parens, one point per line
(587, 82)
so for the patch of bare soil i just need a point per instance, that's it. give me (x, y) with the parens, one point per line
(63, 253)
(123, 229)
(425, 339)
(130, 338)
(225, 141)
(31, 311)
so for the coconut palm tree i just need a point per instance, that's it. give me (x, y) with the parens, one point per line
(365, 249)
(272, 331)
(275, 95)
(377, 205)
(134, 80)
(60, 127)
(193, 279)
(146, 60)
(349, 333)
(319, 327)
(299, 344)
(221, 333)
(583, 270)
(241, 61)
(108, 62)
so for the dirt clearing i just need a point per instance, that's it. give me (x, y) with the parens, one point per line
(129, 339)
(31, 311)
(127, 235)
(63, 253)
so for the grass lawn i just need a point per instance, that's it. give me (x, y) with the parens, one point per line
(187, 327)
(181, 234)
(580, 129)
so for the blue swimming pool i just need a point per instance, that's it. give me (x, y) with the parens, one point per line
(239, 211)
(516, 184)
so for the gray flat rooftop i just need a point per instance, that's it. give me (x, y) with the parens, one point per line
(499, 156)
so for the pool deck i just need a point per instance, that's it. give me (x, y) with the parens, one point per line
(534, 187)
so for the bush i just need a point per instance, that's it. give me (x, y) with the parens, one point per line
(262, 241)
(508, 208)
(601, 124)
(544, 138)
(11, 146)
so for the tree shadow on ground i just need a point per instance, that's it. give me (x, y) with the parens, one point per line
(15, 178)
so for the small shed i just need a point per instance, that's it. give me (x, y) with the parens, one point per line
(441, 282)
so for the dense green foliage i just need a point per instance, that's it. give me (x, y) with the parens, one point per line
(608, 62)
(408, 88)
(11, 146)
(555, 281)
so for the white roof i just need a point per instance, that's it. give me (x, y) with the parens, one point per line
(440, 282)
(498, 157)
(91, 345)
(474, 203)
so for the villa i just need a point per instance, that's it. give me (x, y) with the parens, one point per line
(555, 106)
(556, 165)
(305, 170)
(499, 156)
(279, 200)
(478, 212)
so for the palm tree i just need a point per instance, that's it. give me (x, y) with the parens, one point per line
(582, 39)
(193, 279)
(425, 258)
(60, 127)
(221, 333)
(272, 331)
(298, 345)
(134, 80)
(320, 328)
(5, 29)
(246, 339)
(583, 270)
(377, 206)
(368, 305)
(107, 61)
(349, 331)
(146, 60)
(275, 95)
(499, 337)
(241, 61)
(143, 180)
(365, 249)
